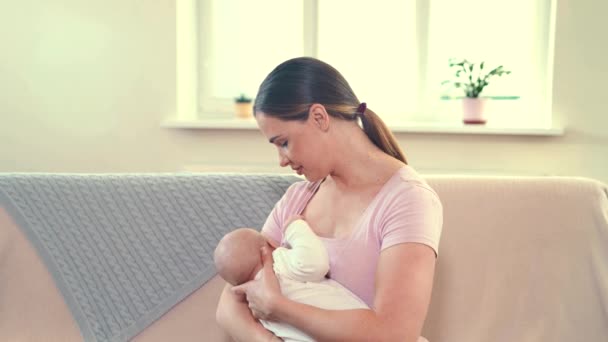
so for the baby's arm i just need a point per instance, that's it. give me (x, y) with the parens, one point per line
(305, 258)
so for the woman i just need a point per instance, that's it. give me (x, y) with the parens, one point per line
(379, 220)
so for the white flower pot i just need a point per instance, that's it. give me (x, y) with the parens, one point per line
(473, 110)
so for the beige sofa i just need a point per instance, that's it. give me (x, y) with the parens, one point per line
(521, 259)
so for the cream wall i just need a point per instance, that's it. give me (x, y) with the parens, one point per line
(84, 86)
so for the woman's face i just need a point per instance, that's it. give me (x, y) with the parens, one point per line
(299, 143)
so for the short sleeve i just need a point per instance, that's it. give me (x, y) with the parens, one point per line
(283, 209)
(414, 215)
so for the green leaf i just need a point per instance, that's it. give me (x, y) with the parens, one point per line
(465, 73)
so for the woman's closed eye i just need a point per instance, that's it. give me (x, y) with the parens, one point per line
(284, 144)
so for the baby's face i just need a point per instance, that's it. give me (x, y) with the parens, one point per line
(242, 269)
(260, 264)
(238, 256)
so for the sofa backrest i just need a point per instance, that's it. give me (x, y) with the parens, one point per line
(521, 259)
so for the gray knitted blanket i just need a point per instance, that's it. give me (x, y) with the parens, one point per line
(124, 249)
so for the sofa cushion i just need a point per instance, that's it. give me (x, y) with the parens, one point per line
(523, 259)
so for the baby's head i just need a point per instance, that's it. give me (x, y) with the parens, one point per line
(238, 256)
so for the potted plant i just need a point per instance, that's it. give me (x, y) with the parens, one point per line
(472, 80)
(244, 108)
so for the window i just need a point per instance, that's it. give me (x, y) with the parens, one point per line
(241, 41)
(515, 34)
(394, 53)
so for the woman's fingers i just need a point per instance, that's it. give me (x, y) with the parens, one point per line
(240, 289)
(255, 313)
(267, 260)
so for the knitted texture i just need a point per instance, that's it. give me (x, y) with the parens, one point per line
(125, 248)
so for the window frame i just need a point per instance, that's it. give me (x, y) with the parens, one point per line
(207, 107)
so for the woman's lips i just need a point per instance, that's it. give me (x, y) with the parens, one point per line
(299, 171)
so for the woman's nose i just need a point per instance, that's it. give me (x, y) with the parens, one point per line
(283, 160)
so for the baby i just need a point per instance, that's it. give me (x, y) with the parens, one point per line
(300, 265)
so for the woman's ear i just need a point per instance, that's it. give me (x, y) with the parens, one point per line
(319, 117)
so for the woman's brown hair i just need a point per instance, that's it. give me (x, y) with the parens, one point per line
(294, 85)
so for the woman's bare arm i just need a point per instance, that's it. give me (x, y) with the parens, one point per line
(235, 318)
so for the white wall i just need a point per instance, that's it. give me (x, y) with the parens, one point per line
(84, 86)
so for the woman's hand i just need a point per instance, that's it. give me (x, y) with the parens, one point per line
(235, 318)
(263, 293)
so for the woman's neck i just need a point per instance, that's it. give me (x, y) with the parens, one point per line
(359, 163)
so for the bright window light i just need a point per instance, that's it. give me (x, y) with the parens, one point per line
(375, 48)
(394, 53)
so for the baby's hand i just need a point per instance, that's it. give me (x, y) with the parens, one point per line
(292, 219)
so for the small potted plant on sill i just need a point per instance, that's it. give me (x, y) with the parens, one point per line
(472, 80)
(243, 106)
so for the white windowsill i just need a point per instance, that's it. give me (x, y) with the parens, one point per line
(413, 127)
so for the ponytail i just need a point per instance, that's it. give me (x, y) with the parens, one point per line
(379, 134)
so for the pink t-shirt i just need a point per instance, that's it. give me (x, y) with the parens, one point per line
(405, 209)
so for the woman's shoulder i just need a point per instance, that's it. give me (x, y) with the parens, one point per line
(410, 211)
(408, 185)
(409, 177)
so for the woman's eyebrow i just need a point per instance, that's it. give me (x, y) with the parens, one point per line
(271, 140)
